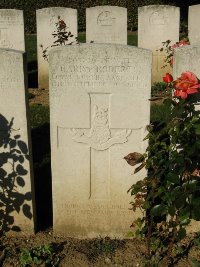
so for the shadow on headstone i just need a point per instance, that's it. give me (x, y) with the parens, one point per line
(13, 156)
(42, 174)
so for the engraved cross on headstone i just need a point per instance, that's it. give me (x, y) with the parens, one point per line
(99, 138)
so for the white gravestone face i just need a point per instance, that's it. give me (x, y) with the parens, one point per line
(99, 110)
(194, 24)
(15, 156)
(46, 25)
(157, 24)
(106, 24)
(12, 29)
(187, 59)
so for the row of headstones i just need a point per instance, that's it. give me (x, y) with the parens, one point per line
(104, 24)
(99, 110)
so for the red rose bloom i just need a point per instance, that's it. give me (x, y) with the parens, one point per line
(186, 84)
(168, 78)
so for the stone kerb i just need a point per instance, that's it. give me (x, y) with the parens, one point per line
(99, 110)
(106, 24)
(194, 24)
(157, 24)
(46, 24)
(17, 190)
(12, 29)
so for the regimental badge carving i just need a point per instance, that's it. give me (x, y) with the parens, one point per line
(158, 18)
(105, 19)
(99, 136)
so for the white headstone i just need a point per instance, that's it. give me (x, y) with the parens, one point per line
(106, 24)
(15, 158)
(187, 59)
(99, 109)
(157, 24)
(12, 29)
(194, 24)
(46, 25)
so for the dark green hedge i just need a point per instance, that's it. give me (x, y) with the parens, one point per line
(30, 6)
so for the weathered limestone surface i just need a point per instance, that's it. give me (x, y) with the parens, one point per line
(106, 24)
(99, 110)
(187, 59)
(157, 24)
(16, 165)
(194, 24)
(46, 25)
(12, 29)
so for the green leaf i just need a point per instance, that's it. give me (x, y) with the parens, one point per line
(173, 178)
(159, 210)
(181, 233)
(180, 201)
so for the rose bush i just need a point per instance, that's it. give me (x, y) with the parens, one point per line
(169, 50)
(185, 85)
(169, 194)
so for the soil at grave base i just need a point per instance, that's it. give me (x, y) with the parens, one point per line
(84, 253)
(38, 96)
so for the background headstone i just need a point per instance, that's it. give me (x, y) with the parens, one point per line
(187, 59)
(99, 110)
(194, 24)
(15, 163)
(12, 29)
(46, 20)
(157, 24)
(106, 24)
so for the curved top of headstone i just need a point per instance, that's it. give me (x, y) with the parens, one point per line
(107, 6)
(157, 6)
(194, 6)
(55, 8)
(11, 10)
(93, 46)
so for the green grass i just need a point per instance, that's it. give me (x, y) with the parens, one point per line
(81, 37)
(39, 115)
(31, 47)
(160, 113)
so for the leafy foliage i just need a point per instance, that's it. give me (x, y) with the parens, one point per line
(62, 35)
(160, 89)
(38, 256)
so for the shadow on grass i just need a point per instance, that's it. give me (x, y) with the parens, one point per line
(42, 173)
(32, 68)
